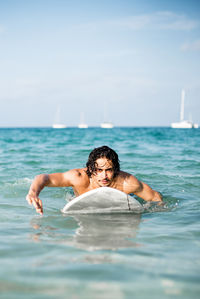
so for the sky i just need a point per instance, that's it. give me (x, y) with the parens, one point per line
(123, 61)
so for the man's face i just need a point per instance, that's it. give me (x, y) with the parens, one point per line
(104, 173)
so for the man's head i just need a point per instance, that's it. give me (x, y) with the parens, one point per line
(103, 165)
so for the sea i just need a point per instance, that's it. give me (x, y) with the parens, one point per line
(155, 254)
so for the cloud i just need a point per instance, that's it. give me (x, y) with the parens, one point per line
(132, 22)
(172, 21)
(193, 46)
(162, 20)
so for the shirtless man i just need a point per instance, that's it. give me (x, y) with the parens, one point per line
(102, 170)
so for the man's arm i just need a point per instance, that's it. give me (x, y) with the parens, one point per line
(147, 193)
(142, 190)
(47, 180)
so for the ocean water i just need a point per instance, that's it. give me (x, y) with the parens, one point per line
(152, 255)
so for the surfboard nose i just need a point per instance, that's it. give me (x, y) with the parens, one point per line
(103, 200)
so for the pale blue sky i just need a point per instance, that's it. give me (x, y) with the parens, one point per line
(136, 56)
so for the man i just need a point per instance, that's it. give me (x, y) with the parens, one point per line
(102, 170)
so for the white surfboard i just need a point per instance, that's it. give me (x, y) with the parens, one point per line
(103, 200)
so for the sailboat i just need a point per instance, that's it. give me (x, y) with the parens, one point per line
(82, 124)
(106, 124)
(57, 124)
(183, 124)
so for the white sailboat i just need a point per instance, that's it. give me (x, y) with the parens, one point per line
(106, 124)
(82, 124)
(183, 124)
(57, 123)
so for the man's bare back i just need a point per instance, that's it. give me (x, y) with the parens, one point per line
(100, 172)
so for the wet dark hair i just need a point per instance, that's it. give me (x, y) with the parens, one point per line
(102, 152)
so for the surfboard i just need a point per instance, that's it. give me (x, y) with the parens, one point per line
(103, 200)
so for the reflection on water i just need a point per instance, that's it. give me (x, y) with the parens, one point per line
(108, 231)
(94, 232)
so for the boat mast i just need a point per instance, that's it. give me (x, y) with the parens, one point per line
(182, 105)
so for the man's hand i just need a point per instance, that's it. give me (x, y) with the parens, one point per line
(36, 202)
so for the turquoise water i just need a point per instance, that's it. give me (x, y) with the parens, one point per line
(153, 255)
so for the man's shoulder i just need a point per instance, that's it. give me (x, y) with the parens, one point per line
(77, 174)
(78, 178)
(123, 174)
(128, 181)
